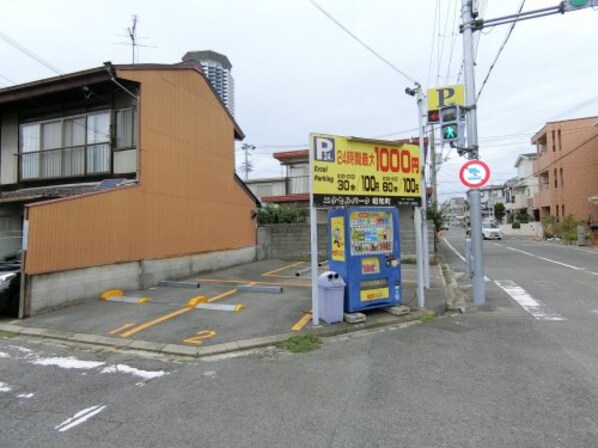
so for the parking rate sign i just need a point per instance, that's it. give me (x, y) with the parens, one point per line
(354, 172)
(474, 174)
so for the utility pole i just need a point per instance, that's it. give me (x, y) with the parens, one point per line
(475, 203)
(419, 216)
(421, 213)
(247, 166)
(434, 161)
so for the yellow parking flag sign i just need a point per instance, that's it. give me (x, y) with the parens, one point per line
(439, 97)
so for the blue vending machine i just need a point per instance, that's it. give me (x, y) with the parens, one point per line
(364, 248)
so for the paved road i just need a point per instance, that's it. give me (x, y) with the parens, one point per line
(497, 377)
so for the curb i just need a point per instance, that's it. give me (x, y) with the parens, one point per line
(135, 344)
(210, 350)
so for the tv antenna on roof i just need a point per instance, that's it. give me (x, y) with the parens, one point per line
(132, 36)
(132, 30)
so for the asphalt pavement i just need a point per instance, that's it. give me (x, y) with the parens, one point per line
(248, 306)
(519, 371)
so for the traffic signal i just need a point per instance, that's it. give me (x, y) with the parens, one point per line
(452, 129)
(574, 5)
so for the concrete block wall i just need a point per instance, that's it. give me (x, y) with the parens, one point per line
(51, 291)
(290, 241)
(533, 229)
(293, 241)
(55, 290)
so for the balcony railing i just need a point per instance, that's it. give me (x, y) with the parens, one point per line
(73, 161)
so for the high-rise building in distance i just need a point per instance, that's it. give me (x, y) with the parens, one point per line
(217, 68)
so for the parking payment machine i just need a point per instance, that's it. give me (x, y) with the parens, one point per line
(364, 249)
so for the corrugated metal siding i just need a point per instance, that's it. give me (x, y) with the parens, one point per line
(187, 201)
(85, 231)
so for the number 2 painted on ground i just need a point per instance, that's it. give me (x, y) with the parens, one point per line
(200, 336)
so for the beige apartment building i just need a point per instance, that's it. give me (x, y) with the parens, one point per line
(567, 169)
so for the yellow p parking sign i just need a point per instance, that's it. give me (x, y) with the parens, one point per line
(439, 97)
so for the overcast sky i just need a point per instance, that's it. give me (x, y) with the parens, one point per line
(297, 72)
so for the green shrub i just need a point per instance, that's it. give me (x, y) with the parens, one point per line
(436, 216)
(569, 224)
(499, 211)
(548, 220)
(281, 214)
(569, 235)
(566, 229)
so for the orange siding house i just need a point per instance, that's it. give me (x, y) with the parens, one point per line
(170, 203)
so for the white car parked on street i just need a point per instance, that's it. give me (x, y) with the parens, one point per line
(491, 231)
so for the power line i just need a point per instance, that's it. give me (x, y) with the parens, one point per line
(581, 145)
(366, 46)
(441, 48)
(305, 145)
(7, 79)
(436, 20)
(547, 167)
(47, 64)
(30, 53)
(500, 51)
(453, 41)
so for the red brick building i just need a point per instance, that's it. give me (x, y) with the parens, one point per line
(567, 169)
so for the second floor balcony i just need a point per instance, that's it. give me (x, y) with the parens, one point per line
(75, 161)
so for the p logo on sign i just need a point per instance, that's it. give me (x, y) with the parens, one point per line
(324, 148)
(440, 97)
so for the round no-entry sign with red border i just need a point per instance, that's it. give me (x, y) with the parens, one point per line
(474, 174)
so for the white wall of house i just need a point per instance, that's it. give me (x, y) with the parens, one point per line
(267, 187)
(526, 187)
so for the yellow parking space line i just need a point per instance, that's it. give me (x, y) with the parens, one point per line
(119, 329)
(190, 306)
(298, 326)
(151, 323)
(282, 268)
(224, 294)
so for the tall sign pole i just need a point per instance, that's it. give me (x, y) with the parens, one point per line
(475, 203)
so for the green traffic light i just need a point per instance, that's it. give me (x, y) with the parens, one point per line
(449, 132)
(578, 3)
